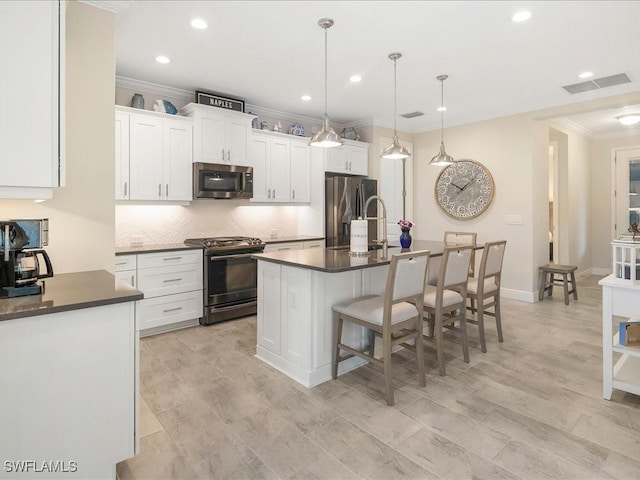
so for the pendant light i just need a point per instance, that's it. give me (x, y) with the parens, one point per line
(326, 137)
(395, 151)
(442, 158)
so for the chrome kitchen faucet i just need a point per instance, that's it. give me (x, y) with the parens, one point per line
(384, 221)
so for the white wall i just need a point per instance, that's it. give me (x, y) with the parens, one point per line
(505, 147)
(81, 215)
(601, 197)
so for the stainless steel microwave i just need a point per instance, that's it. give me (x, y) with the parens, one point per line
(215, 180)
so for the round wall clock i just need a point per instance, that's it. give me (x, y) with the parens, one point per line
(464, 189)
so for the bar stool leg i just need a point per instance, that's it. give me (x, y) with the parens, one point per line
(573, 282)
(543, 281)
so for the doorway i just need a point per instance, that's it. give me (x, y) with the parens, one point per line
(559, 211)
(626, 191)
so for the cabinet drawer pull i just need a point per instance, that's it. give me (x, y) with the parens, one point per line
(125, 188)
(121, 263)
(167, 190)
(269, 193)
(284, 248)
(274, 193)
(293, 194)
(171, 310)
(159, 189)
(229, 156)
(223, 155)
(133, 280)
(166, 259)
(313, 246)
(172, 280)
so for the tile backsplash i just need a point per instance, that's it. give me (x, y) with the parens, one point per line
(157, 224)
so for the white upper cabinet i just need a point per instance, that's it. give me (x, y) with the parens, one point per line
(122, 156)
(281, 168)
(153, 156)
(219, 136)
(300, 171)
(271, 157)
(31, 86)
(352, 158)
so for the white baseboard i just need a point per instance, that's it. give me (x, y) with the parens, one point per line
(519, 295)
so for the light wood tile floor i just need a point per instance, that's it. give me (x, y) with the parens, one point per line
(530, 408)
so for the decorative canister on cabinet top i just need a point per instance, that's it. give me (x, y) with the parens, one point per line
(296, 129)
(137, 101)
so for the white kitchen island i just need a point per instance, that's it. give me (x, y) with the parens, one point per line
(296, 292)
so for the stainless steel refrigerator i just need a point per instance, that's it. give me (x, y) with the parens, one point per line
(345, 197)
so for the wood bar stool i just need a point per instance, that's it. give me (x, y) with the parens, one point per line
(548, 279)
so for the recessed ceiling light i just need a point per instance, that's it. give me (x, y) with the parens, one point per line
(199, 24)
(586, 75)
(629, 118)
(306, 98)
(442, 109)
(522, 16)
(163, 59)
(355, 78)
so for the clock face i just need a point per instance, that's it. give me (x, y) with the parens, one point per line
(464, 189)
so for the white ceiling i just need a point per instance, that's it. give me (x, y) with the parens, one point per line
(271, 52)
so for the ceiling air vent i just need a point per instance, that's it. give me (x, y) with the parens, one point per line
(581, 87)
(412, 114)
(597, 83)
(612, 80)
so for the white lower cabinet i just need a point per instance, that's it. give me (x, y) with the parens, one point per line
(172, 284)
(69, 384)
(285, 300)
(168, 309)
(126, 269)
(313, 244)
(297, 245)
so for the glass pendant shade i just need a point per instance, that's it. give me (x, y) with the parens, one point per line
(442, 159)
(395, 151)
(326, 137)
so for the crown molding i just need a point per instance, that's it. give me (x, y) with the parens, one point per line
(627, 132)
(113, 6)
(187, 96)
(574, 127)
(155, 89)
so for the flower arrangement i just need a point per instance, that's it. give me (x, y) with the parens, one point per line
(405, 223)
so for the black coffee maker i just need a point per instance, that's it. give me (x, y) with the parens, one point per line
(22, 258)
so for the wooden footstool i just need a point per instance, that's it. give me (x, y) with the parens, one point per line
(548, 279)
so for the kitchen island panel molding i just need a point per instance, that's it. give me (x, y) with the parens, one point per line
(301, 323)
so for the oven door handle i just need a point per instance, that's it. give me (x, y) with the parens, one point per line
(225, 257)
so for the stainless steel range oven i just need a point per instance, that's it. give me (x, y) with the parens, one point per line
(230, 277)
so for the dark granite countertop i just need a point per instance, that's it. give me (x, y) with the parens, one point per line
(70, 291)
(290, 238)
(152, 248)
(332, 261)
